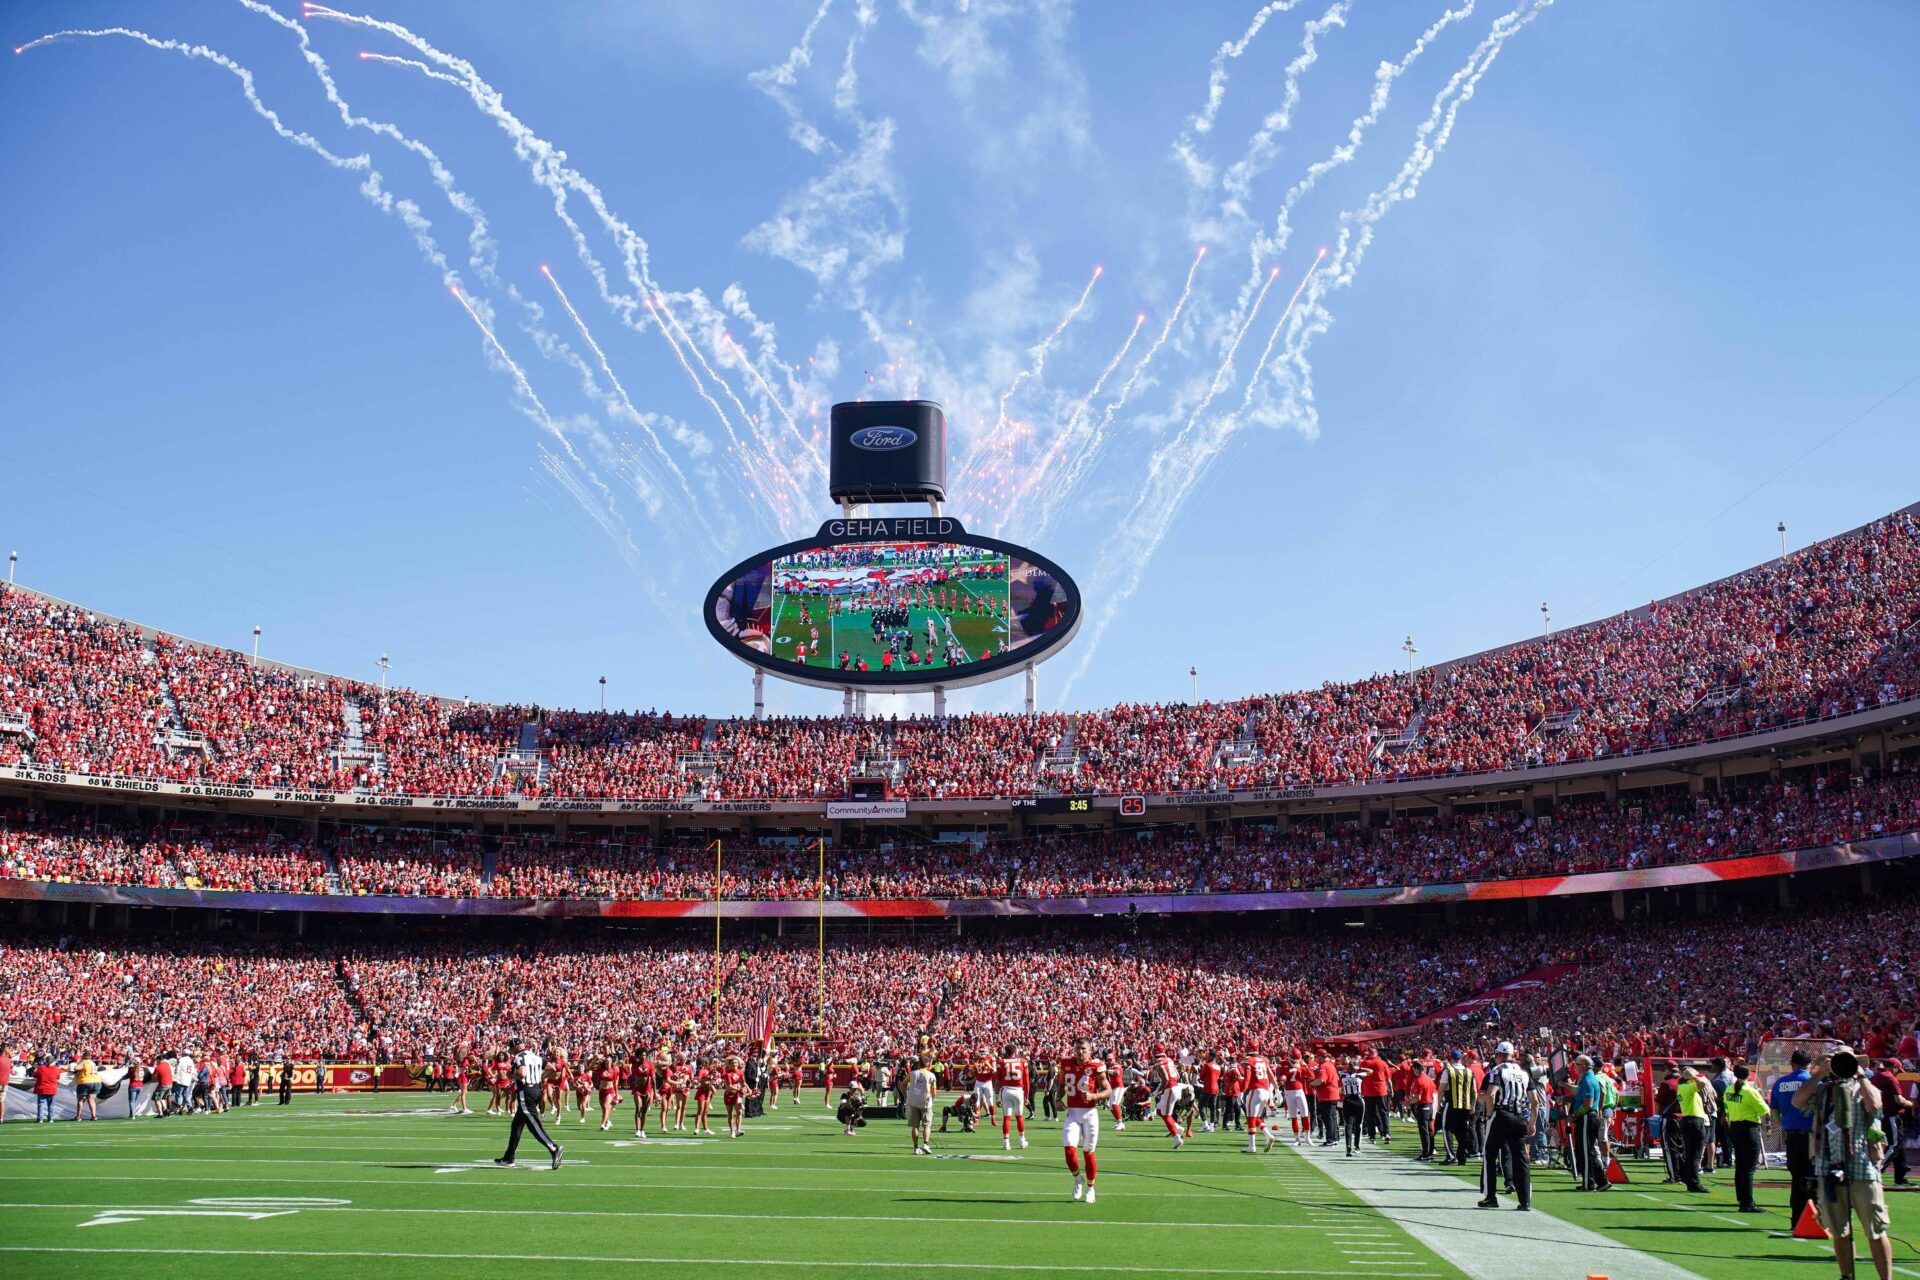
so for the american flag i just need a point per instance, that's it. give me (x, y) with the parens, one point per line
(760, 1027)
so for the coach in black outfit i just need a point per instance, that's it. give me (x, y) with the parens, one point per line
(529, 1069)
(286, 1079)
(1511, 1099)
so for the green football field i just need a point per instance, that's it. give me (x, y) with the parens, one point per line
(852, 633)
(390, 1186)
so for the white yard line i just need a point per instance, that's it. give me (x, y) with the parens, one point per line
(828, 1264)
(1156, 1224)
(1437, 1209)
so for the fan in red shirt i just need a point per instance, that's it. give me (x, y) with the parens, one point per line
(1326, 1099)
(1373, 1094)
(1209, 1092)
(1011, 1080)
(1083, 1082)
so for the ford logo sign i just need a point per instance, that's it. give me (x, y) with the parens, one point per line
(882, 438)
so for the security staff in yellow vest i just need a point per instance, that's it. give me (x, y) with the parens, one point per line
(1746, 1109)
(1696, 1100)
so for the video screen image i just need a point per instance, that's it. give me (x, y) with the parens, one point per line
(891, 607)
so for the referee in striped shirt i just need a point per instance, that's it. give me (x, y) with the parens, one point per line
(529, 1069)
(1512, 1102)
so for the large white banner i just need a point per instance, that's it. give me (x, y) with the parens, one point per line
(116, 1100)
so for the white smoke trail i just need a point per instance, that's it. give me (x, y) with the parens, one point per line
(1128, 554)
(1268, 245)
(1040, 478)
(1199, 172)
(1358, 226)
(1078, 461)
(1237, 182)
(778, 83)
(359, 163)
(414, 64)
(691, 507)
(988, 462)
(548, 168)
(483, 254)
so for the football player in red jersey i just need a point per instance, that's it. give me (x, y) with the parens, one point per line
(733, 1091)
(1011, 1079)
(1117, 1102)
(1163, 1077)
(984, 1066)
(1259, 1100)
(1083, 1082)
(1299, 1079)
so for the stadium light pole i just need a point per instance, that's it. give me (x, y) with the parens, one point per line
(13, 558)
(1193, 673)
(256, 642)
(603, 695)
(1546, 620)
(1781, 528)
(383, 664)
(1408, 647)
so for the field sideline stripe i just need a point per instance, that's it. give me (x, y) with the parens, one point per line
(677, 1213)
(890, 1264)
(517, 1185)
(607, 1158)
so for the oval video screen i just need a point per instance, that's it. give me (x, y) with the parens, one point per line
(893, 612)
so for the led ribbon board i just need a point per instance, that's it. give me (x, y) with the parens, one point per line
(899, 603)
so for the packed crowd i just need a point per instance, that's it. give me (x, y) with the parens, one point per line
(1825, 632)
(1699, 989)
(1717, 984)
(1657, 827)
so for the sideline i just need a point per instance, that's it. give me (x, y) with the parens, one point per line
(1437, 1209)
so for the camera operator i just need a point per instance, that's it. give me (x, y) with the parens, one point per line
(1847, 1146)
(963, 1109)
(852, 1112)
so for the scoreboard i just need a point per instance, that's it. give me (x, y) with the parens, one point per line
(1054, 804)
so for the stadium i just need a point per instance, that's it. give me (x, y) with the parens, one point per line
(1592, 951)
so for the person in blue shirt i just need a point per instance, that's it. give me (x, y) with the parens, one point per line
(1797, 1126)
(1589, 1097)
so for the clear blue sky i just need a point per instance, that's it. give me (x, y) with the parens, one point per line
(1666, 250)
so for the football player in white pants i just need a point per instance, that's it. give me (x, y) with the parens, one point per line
(1298, 1116)
(1012, 1077)
(1084, 1085)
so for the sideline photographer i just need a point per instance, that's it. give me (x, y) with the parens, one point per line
(1848, 1143)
